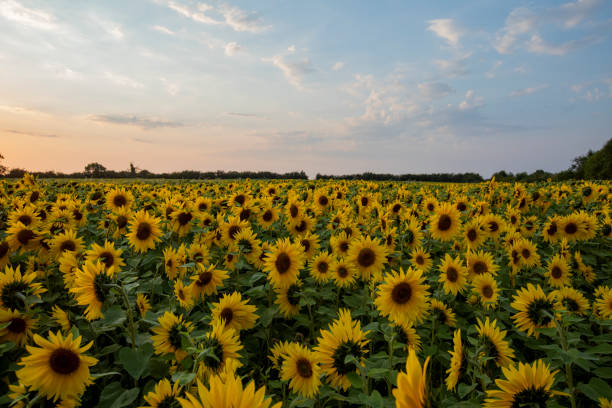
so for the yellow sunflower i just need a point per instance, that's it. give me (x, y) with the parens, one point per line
(452, 274)
(143, 304)
(403, 297)
(171, 262)
(535, 309)
(167, 336)
(58, 368)
(283, 263)
(302, 371)
(442, 313)
(14, 286)
(144, 231)
(183, 294)
(288, 299)
(91, 288)
(343, 273)
(247, 245)
(119, 198)
(480, 263)
(164, 395)
(235, 312)
(340, 244)
(485, 287)
(493, 340)
(407, 335)
(458, 362)
(107, 254)
(421, 259)
(320, 267)
(207, 281)
(412, 235)
(525, 385)
(223, 344)
(474, 233)
(61, 318)
(343, 338)
(411, 390)
(568, 298)
(22, 238)
(368, 256)
(15, 326)
(445, 223)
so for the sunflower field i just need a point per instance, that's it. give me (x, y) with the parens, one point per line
(242, 294)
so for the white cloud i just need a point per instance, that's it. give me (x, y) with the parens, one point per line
(231, 49)
(529, 91)
(172, 88)
(574, 13)
(232, 16)
(294, 71)
(435, 90)
(537, 45)
(491, 72)
(445, 28)
(111, 28)
(16, 12)
(291, 49)
(471, 101)
(338, 66)
(164, 30)
(520, 21)
(122, 80)
(454, 67)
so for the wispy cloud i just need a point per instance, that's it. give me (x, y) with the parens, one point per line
(29, 17)
(231, 49)
(537, 45)
(574, 13)
(294, 71)
(163, 29)
(139, 121)
(246, 115)
(435, 90)
(445, 28)
(471, 101)
(454, 67)
(32, 134)
(491, 72)
(338, 66)
(529, 91)
(122, 80)
(111, 28)
(224, 14)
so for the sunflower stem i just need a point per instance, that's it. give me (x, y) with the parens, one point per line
(33, 401)
(389, 385)
(129, 314)
(569, 377)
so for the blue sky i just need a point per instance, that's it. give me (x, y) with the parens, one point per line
(324, 86)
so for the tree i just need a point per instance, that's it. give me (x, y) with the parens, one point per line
(3, 169)
(95, 169)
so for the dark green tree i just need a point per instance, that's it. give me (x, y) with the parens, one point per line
(95, 170)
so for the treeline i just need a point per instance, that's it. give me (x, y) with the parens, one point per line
(592, 166)
(435, 177)
(145, 174)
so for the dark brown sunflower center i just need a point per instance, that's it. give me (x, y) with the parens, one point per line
(342, 272)
(344, 246)
(203, 207)
(107, 258)
(143, 232)
(122, 221)
(539, 312)
(571, 228)
(119, 200)
(451, 274)
(401, 293)
(430, 207)
(69, 245)
(240, 199)
(233, 230)
(480, 267)
(526, 253)
(305, 244)
(184, 218)
(444, 223)
(25, 219)
(552, 230)
(227, 314)
(293, 210)
(25, 236)
(304, 368)
(282, 263)
(487, 291)
(267, 216)
(322, 267)
(64, 361)
(461, 206)
(17, 325)
(493, 226)
(301, 227)
(364, 201)
(4, 248)
(472, 234)
(323, 201)
(531, 397)
(556, 272)
(420, 260)
(366, 257)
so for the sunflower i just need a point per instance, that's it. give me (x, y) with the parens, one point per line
(108, 255)
(442, 313)
(207, 281)
(551, 231)
(445, 222)
(14, 286)
(458, 362)
(320, 267)
(231, 228)
(603, 304)
(430, 204)
(61, 318)
(567, 298)
(301, 225)
(343, 273)
(535, 309)
(5, 250)
(167, 338)
(412, 235)
(58, 368)
(343, 338)
(340, 244)
(302, 371)
(411, 391)
(288, 299)
(202, 205)
(572, 227)
(121, 218)
(227, 392)
(15, 326)
(480, 263)
(171, 262)
(279, 353)
(527, 385)
(183, 294)
(559, 274)
(310, 245)
(91, 288)
(236, 313)
(247, 245)
(118, 198)
(421, 259)
(144, 231)
(198, 253)
(473, 233)
(492, 339)
(368, 256)
(403, 297)
(22, 238)
(181, 220)
(223, 344)
(164, 395)
(267, 216)
(283, 264)
(452, 274)
(494, 225)
(142, 303)
(485, 287)
(26, 215)
(407, 335)
(66, 241)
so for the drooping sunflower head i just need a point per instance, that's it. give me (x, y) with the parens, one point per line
(167, 338)
(164, 395)
(442, 314)
(14, 286)
(235, 312)
(571, 300)
(223, 344)
(535, 309)
(492, 339)
(288, 299)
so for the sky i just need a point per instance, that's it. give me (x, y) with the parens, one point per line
(331, 87)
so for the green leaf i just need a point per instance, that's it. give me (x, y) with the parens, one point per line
(267, 316)
(375, 400)
(355, 379)
(183, 377)
(113, 396)
(464, 389)
(601, 387)
(135, 361)
(114, 316)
